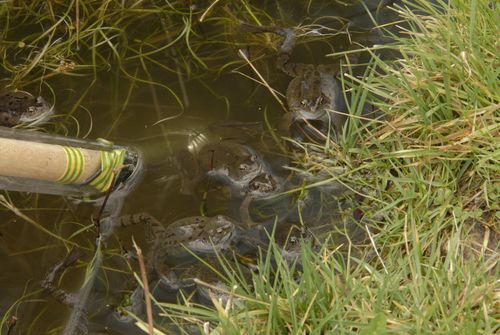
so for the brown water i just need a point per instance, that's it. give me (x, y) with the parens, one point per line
(26, 253)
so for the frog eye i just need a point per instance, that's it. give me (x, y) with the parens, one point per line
(243, 167)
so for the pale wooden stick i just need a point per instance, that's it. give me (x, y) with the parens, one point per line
(42, 161)
(147, 298)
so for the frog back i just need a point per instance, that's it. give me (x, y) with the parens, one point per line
(230, 162)
(199, 234)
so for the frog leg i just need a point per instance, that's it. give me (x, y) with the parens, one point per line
(9, 119)
(286, 48)
(154, 233)
(245, 216)
(68, 299)
(285, 52)
(133, 305)
(136, 298)
(348, 58)
(154, 228)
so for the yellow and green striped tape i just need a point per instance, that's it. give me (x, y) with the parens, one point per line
(75, 164)
(110, 162)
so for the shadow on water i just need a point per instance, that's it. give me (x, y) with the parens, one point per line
(149, 118)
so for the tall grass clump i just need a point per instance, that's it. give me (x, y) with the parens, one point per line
(428, 173)
(433, 159)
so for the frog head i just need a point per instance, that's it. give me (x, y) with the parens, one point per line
(21, 108)
(232, 164)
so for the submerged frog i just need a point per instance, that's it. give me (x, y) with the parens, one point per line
(208, 276)
(179, 242)
(265, 194)
(231, 164)
(289, 239)
(22, 108)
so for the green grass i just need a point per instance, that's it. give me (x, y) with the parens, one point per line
(429, 172)
(136, 43)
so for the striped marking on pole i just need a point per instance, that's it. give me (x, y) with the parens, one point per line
(75, 163)
(110, 161)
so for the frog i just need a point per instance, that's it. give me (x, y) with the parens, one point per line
(20, 107)
(187, 236)
(231, 164)
(314, 96)
(178, 243)
(264, 188)
(227, 169)
(182, 242)
(207, 276)
(289, 239)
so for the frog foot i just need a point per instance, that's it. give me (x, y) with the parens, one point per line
(131, 307)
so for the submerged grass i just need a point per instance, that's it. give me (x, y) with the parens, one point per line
(429, 174)
(143, 42)
(428, 170)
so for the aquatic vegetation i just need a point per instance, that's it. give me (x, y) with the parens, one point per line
(420, 182)
(428, 179)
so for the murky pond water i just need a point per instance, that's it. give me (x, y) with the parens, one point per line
(128, 112)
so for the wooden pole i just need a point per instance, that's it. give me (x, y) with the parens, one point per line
(48, 162)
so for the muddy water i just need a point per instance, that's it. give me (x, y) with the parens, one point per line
(111, 109)
(26, 253)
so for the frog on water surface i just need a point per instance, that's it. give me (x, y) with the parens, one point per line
(314, 95)
(314, 90)
(175, 244)
(22, 108)
(194, 234)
